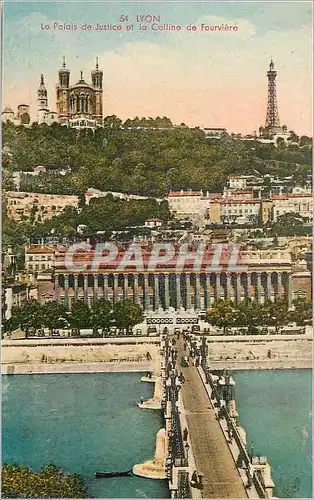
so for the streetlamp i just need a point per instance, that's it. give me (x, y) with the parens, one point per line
(187, 447)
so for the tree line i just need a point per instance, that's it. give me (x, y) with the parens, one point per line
(32, 316)
(147, 162)
(250, 314)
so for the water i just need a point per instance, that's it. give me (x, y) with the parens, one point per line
(275, 408)
(83, 423)
(89, 422)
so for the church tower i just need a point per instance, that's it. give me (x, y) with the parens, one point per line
(42, 96)
(63, 93)
(97, 76)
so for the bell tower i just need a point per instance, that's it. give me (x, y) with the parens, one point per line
(97, 77)
(63, 93)
(42, 96)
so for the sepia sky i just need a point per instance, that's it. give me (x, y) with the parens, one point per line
(202, 78)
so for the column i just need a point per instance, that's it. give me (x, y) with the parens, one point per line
(135, 288)
(95, 294)
(197, 304)
(146, 293)
(188, 291)
(125, 286)
(178, 293)
(238, 288)
(258, 287)
(289, 290)
(115, 287)
(105, 294)
(248, 285)
(76, 288)
(228, 286)
(86, 288)
(57, 290)
(268, 286)
(207, 292)
(279, 282)
(167, 300)
(156, 292)
(66, 290)
(217, 286)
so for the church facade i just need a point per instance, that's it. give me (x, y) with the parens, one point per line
(80, 105)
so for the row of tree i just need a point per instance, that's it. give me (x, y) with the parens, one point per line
(33, 316)
(227, 314)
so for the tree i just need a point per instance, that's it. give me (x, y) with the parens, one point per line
(80, 315)
(222, 314)
(302, 311)
(101, 314)
(54, 315)
(50, 482)
(276, 313)
(127, 314)
(28, 316)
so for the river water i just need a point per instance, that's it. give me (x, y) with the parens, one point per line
(90, 422)
(275, 408)
(83, 423)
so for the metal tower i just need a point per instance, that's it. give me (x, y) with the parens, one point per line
(272, 124)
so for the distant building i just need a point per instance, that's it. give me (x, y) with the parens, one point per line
(44, 114)
(80, 105)
(190, 203)
(39, 258)
(152, 223)
(298, 204)
(42, 206)
(214, 132)
(22, 117)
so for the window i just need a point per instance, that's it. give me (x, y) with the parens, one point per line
(30, 258)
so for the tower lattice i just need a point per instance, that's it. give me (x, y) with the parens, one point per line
(272, 116)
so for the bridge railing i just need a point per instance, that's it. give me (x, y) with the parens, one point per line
(243, 454)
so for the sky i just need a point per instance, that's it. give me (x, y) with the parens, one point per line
(202, 78)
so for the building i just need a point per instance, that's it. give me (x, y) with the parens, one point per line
(38, 205)
(96, 193)
(153, 223)
(15, 293)
(297, 204)
(240, 211)
(188, 204)
(22, 117)
(214, 132)
(39, 258)
(82, 101)
(265, 275)
(44, 115)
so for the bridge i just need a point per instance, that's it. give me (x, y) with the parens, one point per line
(205, 453)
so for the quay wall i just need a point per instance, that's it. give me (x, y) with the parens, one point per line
(77, 357)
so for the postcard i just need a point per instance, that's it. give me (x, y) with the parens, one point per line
(157, 219)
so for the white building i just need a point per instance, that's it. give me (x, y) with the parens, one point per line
(39, 258)
(190, 203)
(298, 204)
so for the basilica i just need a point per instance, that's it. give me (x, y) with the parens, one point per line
(78, 106)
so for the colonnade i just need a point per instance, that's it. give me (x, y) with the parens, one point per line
(177, 290)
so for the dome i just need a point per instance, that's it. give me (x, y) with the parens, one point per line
(81, 84)
(8, 110)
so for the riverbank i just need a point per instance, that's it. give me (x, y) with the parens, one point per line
(272, 364)
(45, 368)
(261, 354)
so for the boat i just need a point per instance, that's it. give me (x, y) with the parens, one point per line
(99, 475)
